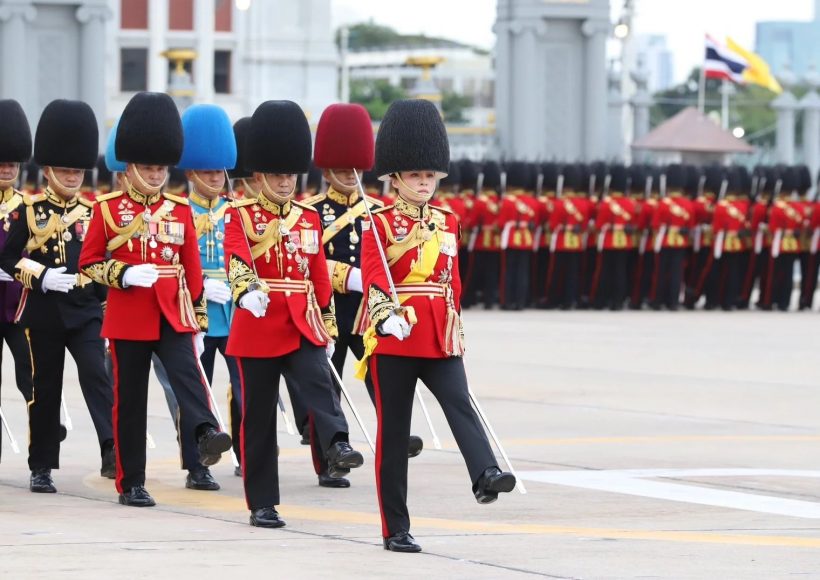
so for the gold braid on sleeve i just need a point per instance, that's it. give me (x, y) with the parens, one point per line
(240, 276)
(338, 277)
(379, 304)
(108, 272)
(329, 318)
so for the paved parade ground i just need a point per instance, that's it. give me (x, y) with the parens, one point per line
(652, 445)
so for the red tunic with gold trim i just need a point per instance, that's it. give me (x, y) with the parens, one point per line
(615, 221)
(516, 218)
(568, 223)
(288, 262)
(127, 229)
(728, 221)
(421, 246)
(486, 223)
(674, 219)
(785, 222)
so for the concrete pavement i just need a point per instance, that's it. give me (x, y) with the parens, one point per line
(652, 445)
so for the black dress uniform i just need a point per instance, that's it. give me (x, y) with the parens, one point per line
(15, 147)
(50, 231)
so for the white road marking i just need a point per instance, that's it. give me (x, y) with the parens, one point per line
(641, 482)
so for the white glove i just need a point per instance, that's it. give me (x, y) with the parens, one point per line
(57, 281)
(395, 325)
(216, 291)
(4, 277)
(199, 344)
(330, 349)
(354, 280)
(256, 302)
(144, 275)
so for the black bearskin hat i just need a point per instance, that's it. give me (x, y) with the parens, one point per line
(491, 171)
(468, 170)
(675, 177)
(149, 131)
(550, 172)
(573, 177)
(714, 175)
(453, 178)
(240, 133)
(519, 175)
(67, 136)
(618, 178)
(15, 134)
(412, 137)
(279, 139)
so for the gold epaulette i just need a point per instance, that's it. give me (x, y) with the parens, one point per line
(107, 196)
(303, 206)
(32, 199)
(377, 202)
(176, 198)
(243, 202)
(441, 209)
(87, 202)
(384, 209)
(314, 199)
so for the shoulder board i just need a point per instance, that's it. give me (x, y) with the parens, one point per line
(87, 202)
(441, 209)
(376, 202)
(107, 196)
(32, 199)
(302, 205)
(242, 202)
(383, 209)
(176, 198)
(314, 199)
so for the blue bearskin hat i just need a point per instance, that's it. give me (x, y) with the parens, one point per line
(209, 142)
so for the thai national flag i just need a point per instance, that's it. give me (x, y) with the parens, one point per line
(722, 63)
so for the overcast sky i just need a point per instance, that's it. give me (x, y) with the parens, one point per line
(683, 21)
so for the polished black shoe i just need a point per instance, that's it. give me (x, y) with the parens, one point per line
(41, 481)
(137, 496)
(305, 435)
(414, 445)
(109, 463)
(325, 480)
(492, 482)
(63, 432)
(212, 444)
(237, 471)
(201, 479)
(401, 542)
(266, 517)
(341, 458)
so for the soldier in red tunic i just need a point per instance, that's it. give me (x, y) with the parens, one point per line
(567, 227)
(517, 220)
(672, 225)
(142, 244)
(785, 222)
(416, 333)
(615, 223)
(284, 323)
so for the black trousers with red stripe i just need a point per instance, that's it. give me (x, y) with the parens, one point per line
(308, 366)
(48, 347)
(394, 378)
(187, 443)
(131, 360)
(669, 277)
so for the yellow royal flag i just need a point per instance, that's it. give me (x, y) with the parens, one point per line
(757, 73)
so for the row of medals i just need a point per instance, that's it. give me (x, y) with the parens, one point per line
(42, 217)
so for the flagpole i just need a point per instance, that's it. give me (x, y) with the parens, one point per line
(702, 85)
(724, 104)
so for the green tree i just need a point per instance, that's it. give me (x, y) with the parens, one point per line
(749, 106)
(375, 95)
(453, 105)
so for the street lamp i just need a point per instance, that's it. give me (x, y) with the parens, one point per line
(739, 132)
